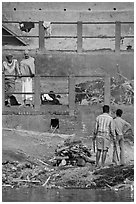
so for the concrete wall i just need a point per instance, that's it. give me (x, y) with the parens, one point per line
(40, 123)
(54, 16)
(81, 64)
(74, 11)
(69, 6)
(84, 64)
(81, 124)
(51, 63)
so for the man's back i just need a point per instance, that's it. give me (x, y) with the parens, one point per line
(119, 125)
(104, 123)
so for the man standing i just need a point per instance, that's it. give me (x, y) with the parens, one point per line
(27, 67)
(120, 130)
(10, 67)
(104, 129)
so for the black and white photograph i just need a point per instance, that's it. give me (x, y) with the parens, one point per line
(67, 87)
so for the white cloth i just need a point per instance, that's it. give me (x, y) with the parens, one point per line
(47, 27)
(47, 97)
(27, 87)
(27, 67)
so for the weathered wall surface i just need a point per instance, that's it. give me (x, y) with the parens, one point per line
(73, 12)
(81, 123)
(81, 64)
(40, 123)
(80, 6)
(53, 63)
(84, 64)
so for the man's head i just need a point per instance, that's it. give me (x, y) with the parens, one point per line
(119, 112)
(9, 57)
(106, 109)
(26, 54)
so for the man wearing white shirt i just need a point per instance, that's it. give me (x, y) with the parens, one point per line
(27, 67)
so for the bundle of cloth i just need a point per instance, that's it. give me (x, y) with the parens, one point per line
(50, 99)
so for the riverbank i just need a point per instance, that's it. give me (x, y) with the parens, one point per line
(26, 162)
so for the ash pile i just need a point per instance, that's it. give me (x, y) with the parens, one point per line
(72, 153)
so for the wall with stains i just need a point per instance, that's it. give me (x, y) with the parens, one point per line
(80, 64)
(73, 12)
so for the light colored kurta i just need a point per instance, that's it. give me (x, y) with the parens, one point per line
(27, 67)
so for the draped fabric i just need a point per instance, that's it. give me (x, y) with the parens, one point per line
(27, 67)
(27, 87)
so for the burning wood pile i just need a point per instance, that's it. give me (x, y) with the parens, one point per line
(73, 153)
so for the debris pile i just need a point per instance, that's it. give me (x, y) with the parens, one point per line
(111, 177)
(74, 177)
(122, 91)
(73, 153)
(15, 174)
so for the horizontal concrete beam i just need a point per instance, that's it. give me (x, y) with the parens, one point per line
(72, 16)
(77, 6)
(111, 16)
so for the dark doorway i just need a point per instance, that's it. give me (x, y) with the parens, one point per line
(54, 123)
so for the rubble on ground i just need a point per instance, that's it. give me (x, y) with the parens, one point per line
(122, 91)
(26, 174)
(115, 176)
(71, 167)
(15, 174)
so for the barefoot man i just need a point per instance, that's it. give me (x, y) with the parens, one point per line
(104, 130)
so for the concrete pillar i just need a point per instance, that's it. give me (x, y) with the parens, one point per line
(117, 36)
(79, 36)
(107, 90)
(41, 36)
(71, 95)
(3, 92)
(37, 91)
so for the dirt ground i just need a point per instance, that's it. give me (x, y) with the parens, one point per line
(19, 144)
(30, 146)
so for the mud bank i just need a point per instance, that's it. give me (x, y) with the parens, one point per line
(26, 162)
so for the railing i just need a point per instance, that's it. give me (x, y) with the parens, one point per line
(79, 36)
(71, 91)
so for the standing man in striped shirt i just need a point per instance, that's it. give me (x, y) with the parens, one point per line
(103, 132)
